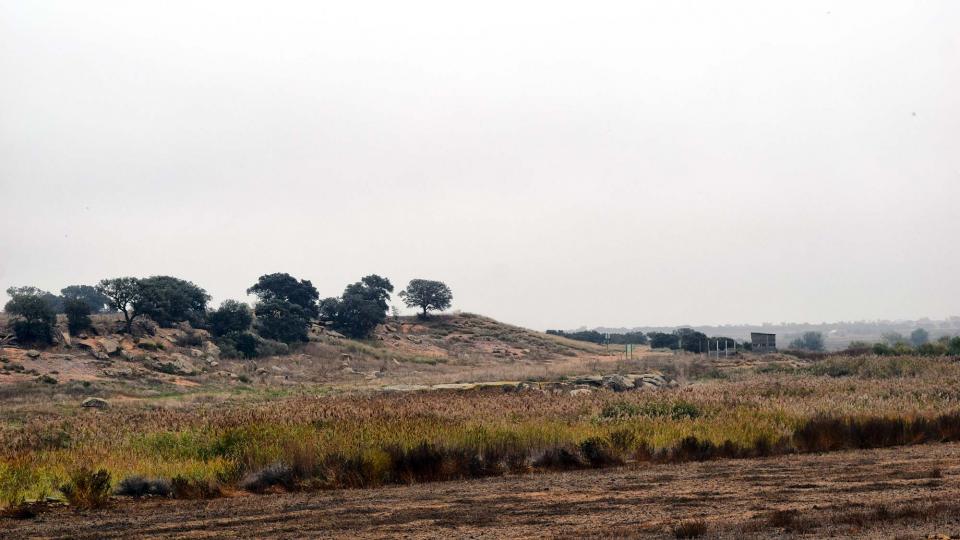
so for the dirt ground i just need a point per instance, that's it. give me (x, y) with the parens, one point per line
(904, 492)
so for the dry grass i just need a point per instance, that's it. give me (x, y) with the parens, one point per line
(369, 440)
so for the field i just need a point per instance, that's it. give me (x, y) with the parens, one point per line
(534, 452)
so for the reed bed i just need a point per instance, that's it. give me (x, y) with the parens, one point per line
(373, 439)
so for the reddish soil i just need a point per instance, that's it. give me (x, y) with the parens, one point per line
(908, 492)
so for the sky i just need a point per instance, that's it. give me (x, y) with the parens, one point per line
(557, 164)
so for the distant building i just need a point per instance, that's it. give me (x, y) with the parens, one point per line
(763, 343)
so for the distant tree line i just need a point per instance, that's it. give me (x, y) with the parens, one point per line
(285, 309)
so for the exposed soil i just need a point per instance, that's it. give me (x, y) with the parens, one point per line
(908, 492)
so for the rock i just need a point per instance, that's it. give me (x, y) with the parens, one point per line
(405, 388)
(95, 403)
(261, 371)
(88, 344)
(214, 364)
(333, 333)
(33, 353)
(196, 353)
(415, 339)
(389, 328)
(211, 348)
(592, 380)
(617, 383)
(346, 357)
(580, 391)
(100, 355)
(108, 346)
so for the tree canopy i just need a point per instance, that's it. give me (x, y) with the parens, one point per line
(361, 308)
(94, 299)
(124, 293)
(168, 300)
(282, 286)
(427, 295)
(231, 316)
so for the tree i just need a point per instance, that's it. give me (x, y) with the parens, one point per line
(809, 341)
(78, 315)
(427, 295)
(919, 337)
(54, 301)
(167, 300)
(34, 317)
(892, 338)
(286, 287)
(232, 316)
(662, 340)
(97, 301)
(282, 320)
(692, 340)
(362, 307)
(124, 294)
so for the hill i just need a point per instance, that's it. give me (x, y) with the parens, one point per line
(406, 351)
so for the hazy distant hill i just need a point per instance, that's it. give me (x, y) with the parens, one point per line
(837, 334)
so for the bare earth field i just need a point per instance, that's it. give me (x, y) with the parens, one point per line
(908, 492)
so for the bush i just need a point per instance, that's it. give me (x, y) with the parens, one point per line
(274, 475)
(238, 345)
(560, 458)
(194, 488)
(248, 345)
(690, 529)
(599, 453)
(78, 315)
(34, 318)
(87, 490)
(137, 486)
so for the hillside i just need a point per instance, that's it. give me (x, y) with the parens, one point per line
(406, 351)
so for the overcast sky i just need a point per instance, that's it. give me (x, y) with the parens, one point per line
(557, 164)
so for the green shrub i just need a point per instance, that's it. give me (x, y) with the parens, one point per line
(78, 315)
(34, 319)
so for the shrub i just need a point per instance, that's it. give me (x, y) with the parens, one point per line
(690, 529)
(86, 489)
(238, 345)
(183, 487)
(78, 315)
(137, 486)
(274, 475)
(599, 453)
(560, 458)
(34, 318)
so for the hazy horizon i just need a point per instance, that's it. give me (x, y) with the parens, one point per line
(558, 165)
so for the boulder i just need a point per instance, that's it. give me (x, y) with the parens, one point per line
(108, 345)
(211, 348)
(617, 383)
(33, 353)
(592, 380)
(333, 333)
(88, 344)
(196, 353)
(95, 403)
(581, 391)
